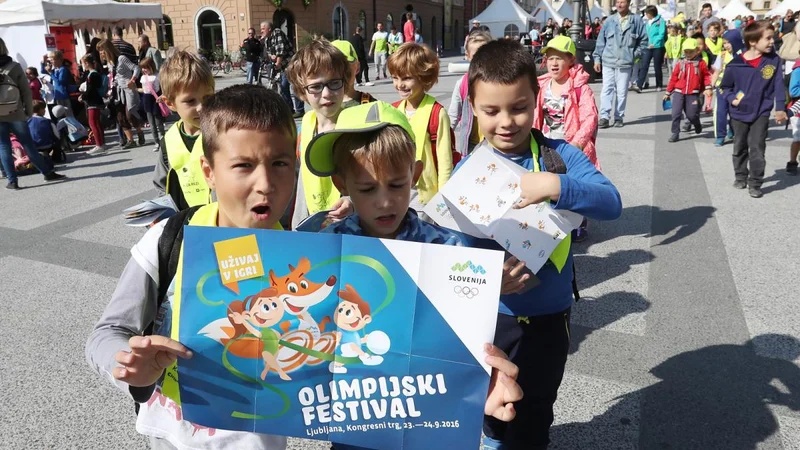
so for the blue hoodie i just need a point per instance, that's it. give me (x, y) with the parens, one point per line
(584, 190)
(412, 230)
(763, 87)
(735, 38)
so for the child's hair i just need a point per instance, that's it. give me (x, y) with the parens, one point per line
(39, 107)
(242, 107)
(112, 53)
(415, 61)
(715, 26)
(478, 37)
(33, 71)
(148, 64)
(384, 150)
(184, 71)
(754, 31)
(700, 35)
(315, 59)
(502, 62)
(90, 60)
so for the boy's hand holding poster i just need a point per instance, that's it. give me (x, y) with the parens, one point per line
(479, 198)
(354, 340)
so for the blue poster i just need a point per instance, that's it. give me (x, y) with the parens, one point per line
(368, 342)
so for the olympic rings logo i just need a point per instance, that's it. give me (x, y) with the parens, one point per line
(466, 291)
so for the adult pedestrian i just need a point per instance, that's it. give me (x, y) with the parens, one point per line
(380, 48)
(549, 31)
(280, 52)
(395, 39)
(124, 73)
(408, 28)
(148, 51)
(13, 119)
(124, 47)
(535, 35)
(620, 42)
(707, 18)
(62, 79)
(252, 55)
(656, 49)
(596, 26)
(357, 41)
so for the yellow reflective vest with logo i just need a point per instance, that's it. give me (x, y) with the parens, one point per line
(320, 193)
(206, 216)
(186, 165)
(561, 253)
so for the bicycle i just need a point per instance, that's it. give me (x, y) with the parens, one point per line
(221, 61)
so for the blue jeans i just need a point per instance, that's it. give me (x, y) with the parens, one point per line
(615, 86)
(657, 56)
(286, 89)
(252, 72)
(20, 130)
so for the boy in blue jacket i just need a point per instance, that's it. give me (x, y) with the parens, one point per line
(753, 85)
(794, 95)
(533, 326)
(62, 80)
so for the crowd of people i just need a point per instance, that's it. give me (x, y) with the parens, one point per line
(236, 159)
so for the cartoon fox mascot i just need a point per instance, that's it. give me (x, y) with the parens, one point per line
(293, 294)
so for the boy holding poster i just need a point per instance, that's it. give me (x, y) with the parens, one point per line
(371, 157)
(533, 326)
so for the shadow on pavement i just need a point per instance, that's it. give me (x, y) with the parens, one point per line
(716, 397)
(603, 311)
(649, 119)
(782, 181)
(591, 270)
(117, 173)
(96, 164)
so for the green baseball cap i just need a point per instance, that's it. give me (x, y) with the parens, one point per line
(364, 118)
(561, 44)
(347, 48)
(689, 44)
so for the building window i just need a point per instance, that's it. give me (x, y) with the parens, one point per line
(165, 38)
(766, 5)
(749, 5)
(340, 22)
(362, 20)
(511, 30)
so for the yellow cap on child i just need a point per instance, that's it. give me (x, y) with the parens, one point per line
(561, 44)
(347, 48)
(689, 44)
(358, 119)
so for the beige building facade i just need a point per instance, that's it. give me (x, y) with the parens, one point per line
(223, 24)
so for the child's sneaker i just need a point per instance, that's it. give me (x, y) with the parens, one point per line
(755, 192)
(740, 184)
(698, 129)
(336, 368)
(129, 145)
(730, 134)
(687, 127)
(371, 360)
(791, 168)
(719, 142)
(97, 150)
(673, 138)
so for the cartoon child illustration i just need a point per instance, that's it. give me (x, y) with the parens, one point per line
(351, 316)
(255, 315)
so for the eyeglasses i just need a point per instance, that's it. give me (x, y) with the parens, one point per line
(332, 85)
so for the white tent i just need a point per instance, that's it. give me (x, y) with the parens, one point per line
(546, 11)
(503, 15)
(665, 13)
(24, 23)
(564, 9)
(733, 9)
(597, 11)
(782, 7)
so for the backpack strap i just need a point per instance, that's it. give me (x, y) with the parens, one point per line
(433, 129)
(554, 163)
(169, 250)
(464, 88)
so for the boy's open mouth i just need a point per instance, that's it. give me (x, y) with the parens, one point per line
(385, 220)
(261, 211)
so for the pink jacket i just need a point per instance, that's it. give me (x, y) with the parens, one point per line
(580, 115)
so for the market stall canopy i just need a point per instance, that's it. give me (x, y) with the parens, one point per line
(784, 6)
(733, 9)
(665, 13)
(76, 11)
(564, 9)
(501, 13)
(546, 11)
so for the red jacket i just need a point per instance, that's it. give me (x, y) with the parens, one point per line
(689, 77)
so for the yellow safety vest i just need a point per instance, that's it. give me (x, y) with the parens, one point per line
(561, 253)
(206, 216)
(715, 49)
(428, 184)
(320, 192)
(726, 58)
(186, 165)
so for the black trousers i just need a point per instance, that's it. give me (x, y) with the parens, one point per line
(749, 145)
(688, 104)
(539, 347)
(363, 71)
(656, 55)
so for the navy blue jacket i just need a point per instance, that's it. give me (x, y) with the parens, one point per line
(763, 87)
